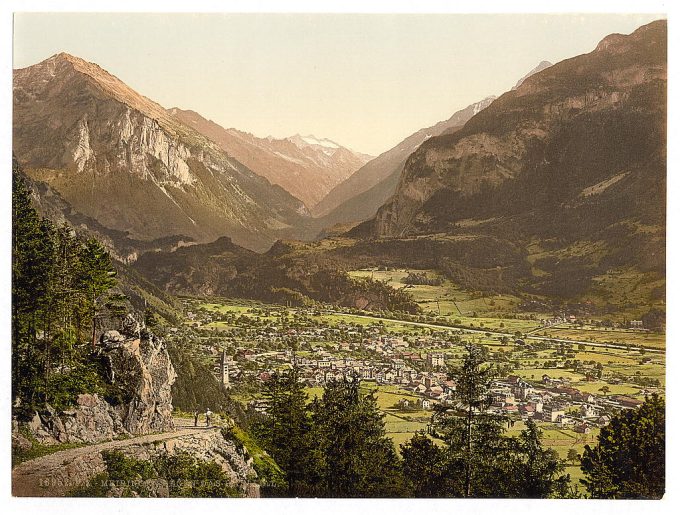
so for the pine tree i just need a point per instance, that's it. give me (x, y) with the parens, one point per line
(32, 250)
(287, 431)
(355, 457)
(473, 437)
(536, 469)
(423, 466)
(96, 275)
(479, 460)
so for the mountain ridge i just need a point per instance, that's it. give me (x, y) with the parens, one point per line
(557, 95)
(373, 184)
(306, 169)
(91, 137)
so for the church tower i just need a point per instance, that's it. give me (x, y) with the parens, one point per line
(224, 369)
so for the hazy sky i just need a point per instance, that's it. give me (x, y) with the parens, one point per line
(365, 81)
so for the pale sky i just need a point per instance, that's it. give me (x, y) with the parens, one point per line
(365, 81)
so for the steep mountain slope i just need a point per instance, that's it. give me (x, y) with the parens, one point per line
(122, 160)
(379, 175)
(139, 291)
(574, 158)
(306, 167)
(50, 204)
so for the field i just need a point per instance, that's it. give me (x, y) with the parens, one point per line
(255, 310)
(602, 335)
(472, 309)
(502, 312)
(622, 369)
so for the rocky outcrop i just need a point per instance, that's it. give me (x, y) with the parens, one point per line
(141, 426)
(92, 419)
(209, 446)
(139, 365)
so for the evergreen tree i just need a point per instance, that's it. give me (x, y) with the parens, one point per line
(57, 282)
(287, 430)
(32, 251)
(628, 461)
(479, 460)
(573, 456)
(536, 469)
(423, 466)
(96, 275)
(473, 437)
(355, 457)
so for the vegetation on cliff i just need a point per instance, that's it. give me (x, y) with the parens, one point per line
(179, 475)
(61, 285)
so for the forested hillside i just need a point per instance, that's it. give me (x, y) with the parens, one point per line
(61, 287)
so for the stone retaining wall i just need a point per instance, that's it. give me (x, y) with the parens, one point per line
(57, 474)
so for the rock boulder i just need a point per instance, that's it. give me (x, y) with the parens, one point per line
(139, 365)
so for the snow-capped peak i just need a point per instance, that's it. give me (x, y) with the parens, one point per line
(321, 142)
(302, 141)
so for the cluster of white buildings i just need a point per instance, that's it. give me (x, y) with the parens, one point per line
(561, 405)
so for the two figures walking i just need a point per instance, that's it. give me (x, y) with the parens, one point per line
(208, 414)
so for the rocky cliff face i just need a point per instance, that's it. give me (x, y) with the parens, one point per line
(570, 127)
(92, 139)
(361, 194)
(92, 419)
(139, 364)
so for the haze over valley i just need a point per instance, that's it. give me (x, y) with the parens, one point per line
(518, 243)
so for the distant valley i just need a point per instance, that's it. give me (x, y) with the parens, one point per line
(487, 296)
(551, 189)
(307, 167)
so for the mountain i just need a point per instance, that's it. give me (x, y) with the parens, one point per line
(556, 188)
(379, 174)
(306, 167)
(570, 165)
(199, 269)
(120, 159)
(539, 68)
(51, 205)
(359, 197)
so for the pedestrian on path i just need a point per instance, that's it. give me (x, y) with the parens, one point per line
(196, 418)
(208, 414)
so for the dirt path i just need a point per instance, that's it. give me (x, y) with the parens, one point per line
(41, 477)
